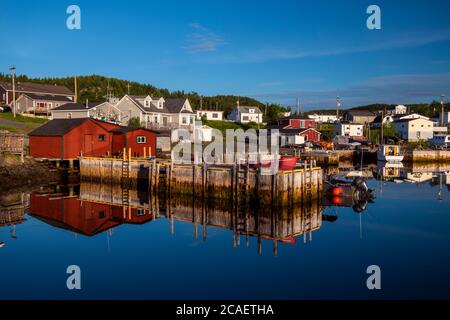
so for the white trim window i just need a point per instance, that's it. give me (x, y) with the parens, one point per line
(141, 139)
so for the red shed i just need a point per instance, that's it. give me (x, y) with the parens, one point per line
(136, 139)
(66, 139)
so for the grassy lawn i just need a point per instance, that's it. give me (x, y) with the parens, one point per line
(9, 116)
(11, 129)
(224, 125)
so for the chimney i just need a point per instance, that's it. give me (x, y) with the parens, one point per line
(87, 104)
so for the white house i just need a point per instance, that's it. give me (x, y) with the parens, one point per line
(209, 114)
(414, 129)
(245, 115)
(400, 109)
(324, 118)
(349, 129)
(157, 112)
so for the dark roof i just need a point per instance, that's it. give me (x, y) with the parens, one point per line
(76, 106)
(57, 127)
(246, 109)
(37, 88)
(295, 130)
(47, 97)
(357, 112)
(297, 116)
(171, 105)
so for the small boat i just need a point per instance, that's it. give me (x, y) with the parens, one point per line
(287, 163)
(2, 244)
(389, 153)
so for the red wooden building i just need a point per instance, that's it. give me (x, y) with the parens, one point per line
(136, 139)
(67, 139)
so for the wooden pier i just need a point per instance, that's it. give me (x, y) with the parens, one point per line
(228, 182)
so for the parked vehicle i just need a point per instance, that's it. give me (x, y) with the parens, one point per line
(440, 140)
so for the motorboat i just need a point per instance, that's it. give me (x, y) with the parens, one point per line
(389, 153)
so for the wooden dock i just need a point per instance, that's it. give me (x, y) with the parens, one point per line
(229, 182)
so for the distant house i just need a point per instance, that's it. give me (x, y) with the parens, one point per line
(157, 112)
(39, 104)
(400, 109)
(243, 114)
(73, 110)
(296, 130)
(209, 114)
(352, 130)
(358, 116)
(6, 91)
(67, 139)
(414, 130)
(324, 118)
(294, 121)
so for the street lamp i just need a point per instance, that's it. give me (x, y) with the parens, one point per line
(14, 90)
(442, 109)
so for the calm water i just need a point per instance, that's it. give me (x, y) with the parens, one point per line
(406, 231)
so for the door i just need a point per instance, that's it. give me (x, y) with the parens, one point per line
(88, 144)
(164, 121)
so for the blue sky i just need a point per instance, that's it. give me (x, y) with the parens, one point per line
(274, 51)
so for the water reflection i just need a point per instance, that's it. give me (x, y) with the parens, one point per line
(89, 209)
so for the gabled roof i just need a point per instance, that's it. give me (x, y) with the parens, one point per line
(37, 88)
(246, 109)
(57, 127)
(46, 97)
(76, 106)
(171, 105)
(410, 119)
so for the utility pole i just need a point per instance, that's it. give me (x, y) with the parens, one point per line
(338, 105)
(128, 86)
(298, 107)
(76, 90)
(442, 108)
(13, 69)
(382, 126)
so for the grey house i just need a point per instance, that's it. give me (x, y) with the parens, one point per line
(39, 104)
(80, 110)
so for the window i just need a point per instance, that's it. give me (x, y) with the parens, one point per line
(215, 115)
(140, 212)
(191, 120)
(101, 138)
(141, 139)
(183, 120)
(251, 110)
(101, 214)
(245, 118)
(156, 119)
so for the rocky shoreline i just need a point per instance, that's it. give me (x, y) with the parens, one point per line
(15, 175)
